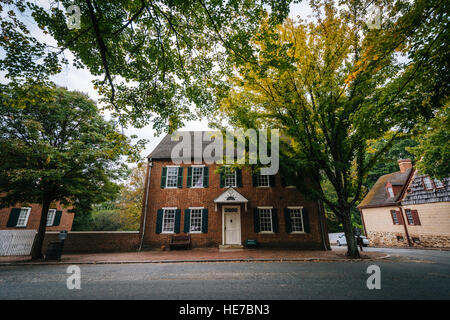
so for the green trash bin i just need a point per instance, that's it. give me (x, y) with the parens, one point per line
(250, 243)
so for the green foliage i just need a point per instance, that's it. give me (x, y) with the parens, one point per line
(332, 87)
(433, 150)
(154, 59)
(57, 147)
(106, 220)
(388, 162)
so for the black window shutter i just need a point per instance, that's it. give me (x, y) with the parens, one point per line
(205, 177)
(187, 220)
(272, 180)
(180, 177)
(256, 220)
(287, 220)
(13, 217)
(159, 220)
(189, 177)
(222, 179)
(177, 220)
(239, 178)
(305, 220)
(205, 220)
(274, 220)
(163, 177)
(57, 219)
(254, 180)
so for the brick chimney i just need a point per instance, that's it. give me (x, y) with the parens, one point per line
(404, 165)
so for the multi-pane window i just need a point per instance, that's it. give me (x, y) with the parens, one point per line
(394, 217)
(168, 220)
(438, 183)
(23, 217)
(197, 177)
(196, 220)
(296, 220)
(230, 177)
(391, 192)
(428, 183)
(172, 177)
(409, 216)
(262, 180)
(51, 217)
(265, 220)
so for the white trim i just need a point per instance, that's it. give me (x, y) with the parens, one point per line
(192, 177)
(167, 177)
(301, 215)
(235, 178)
(53, 218)
(201, 219)
(258, 177)
(223, 222)
(162, 222)
(26, 219)
(271, 220)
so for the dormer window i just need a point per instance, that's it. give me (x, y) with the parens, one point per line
(390, 191)
(427, 183)
(438, 183)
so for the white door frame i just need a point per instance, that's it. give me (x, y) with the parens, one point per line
(223, 222)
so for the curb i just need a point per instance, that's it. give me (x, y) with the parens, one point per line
(194, 261)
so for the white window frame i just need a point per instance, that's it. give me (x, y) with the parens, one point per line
(258, 180)
(203, 175)
(425, 184)
(271, 220)
(24, 224)
(201, 219)
(391, 192)
(438, 184)
(52, 214)
(410, 222)
(396, 219)
(174, 217)
(225, 178)
(167, 177)
(301, 217)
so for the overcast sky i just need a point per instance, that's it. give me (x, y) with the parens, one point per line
(81, 80)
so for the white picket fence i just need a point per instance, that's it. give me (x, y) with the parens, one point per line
(16, 242)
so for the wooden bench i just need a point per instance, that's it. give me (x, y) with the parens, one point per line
(180, 242)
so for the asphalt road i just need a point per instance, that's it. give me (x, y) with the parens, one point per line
(409, 274)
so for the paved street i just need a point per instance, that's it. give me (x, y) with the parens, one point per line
(409, 274)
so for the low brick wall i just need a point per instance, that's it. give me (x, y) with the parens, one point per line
(96, 241)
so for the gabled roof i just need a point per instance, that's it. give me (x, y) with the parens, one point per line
(164, 149)
(230, 196)
(378, 197)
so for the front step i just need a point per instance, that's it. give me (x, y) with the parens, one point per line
(231, 247)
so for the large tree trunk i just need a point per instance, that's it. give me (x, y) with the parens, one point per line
(352, 248)
(36, 252)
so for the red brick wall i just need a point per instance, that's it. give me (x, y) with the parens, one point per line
(96, 241)
(35, 216)
(278, 197)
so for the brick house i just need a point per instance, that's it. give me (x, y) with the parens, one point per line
(223, 208)
(27, 216)
(406, 208)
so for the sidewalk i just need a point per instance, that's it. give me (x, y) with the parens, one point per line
(197, 255)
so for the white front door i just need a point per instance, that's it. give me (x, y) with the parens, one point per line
(232, 225)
